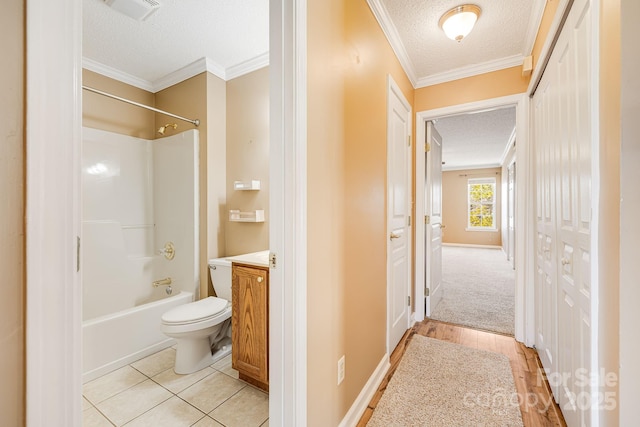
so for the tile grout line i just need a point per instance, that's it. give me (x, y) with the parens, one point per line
(139, 415)
(146, 377)
(125, 389)
(225, 401)
(206, 376)
(172, 393)
(105, 416)
(188, 403)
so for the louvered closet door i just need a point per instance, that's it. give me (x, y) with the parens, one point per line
(562, 132)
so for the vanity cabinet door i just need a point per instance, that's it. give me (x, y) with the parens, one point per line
(250, 324)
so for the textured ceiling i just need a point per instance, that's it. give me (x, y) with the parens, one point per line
(502, 37)
(179, 33)
(231, 37)
(476, 140)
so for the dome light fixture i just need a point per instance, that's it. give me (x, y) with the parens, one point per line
(459, 21)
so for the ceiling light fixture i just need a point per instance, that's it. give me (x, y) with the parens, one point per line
(459, 21)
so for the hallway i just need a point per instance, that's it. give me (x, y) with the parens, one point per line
(524, 362)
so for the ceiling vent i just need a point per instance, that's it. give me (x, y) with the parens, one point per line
(136, 9)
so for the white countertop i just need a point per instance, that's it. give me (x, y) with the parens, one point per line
(260, 259)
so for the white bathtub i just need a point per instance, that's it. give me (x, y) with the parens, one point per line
(115, 340)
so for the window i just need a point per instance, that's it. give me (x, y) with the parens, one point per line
(481, 204)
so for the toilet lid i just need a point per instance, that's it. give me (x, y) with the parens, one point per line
(195, 311)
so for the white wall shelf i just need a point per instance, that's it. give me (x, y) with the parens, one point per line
(246, 185)
(253, 216)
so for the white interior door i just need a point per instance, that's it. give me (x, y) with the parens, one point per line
(433, 220)
(398, 209)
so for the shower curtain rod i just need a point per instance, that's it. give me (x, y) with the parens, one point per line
(195, 122)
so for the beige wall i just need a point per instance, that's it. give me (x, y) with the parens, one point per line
(454, 207)
(216, 155)
(247, 159)
(12, 266)
(369, 61)
(348, 62)
(484, 86)
(550, 9)
(203, 97)
(101, 112)
(325, 206)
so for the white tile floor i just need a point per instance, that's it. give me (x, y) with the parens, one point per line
(149, 393)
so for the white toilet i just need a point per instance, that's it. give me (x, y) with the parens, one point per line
(202, 328)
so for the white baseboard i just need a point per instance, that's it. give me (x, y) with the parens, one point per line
(468, 245)
(366, 394)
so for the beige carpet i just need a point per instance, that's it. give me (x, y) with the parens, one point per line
(478, 289)
(442, 384)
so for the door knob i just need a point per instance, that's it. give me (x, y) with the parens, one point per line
(394, 235)
(565, 261)
(259, 279)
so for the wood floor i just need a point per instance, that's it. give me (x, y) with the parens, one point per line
(536, 404)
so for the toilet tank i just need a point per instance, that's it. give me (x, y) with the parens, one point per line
(220, 269)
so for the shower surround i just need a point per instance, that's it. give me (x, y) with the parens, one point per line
(137, 195)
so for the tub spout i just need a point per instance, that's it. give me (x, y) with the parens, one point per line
(165, 281)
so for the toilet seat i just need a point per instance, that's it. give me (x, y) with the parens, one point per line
(195, 312)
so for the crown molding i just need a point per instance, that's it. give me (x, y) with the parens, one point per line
(475, 167)
(535, 19)
(391, 33)
(247, 66)
(105, 70)
(188, 71)
(184, 73)
(472, 70)
(508, 146)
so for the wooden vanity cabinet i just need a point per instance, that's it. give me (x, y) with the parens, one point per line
(250, 323)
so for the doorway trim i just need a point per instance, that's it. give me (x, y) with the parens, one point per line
(53, 286)
(288, 212)
(524, 304)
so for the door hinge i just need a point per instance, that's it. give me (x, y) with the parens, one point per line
(408, 140)
(409, 300)
(427, 147)
(409, 221)
(426, 292)
(77, 253)
(427, 220)
(272, 260)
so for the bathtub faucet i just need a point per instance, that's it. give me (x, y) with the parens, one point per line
(165, 281)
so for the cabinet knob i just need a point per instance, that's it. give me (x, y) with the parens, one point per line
(259, 279)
